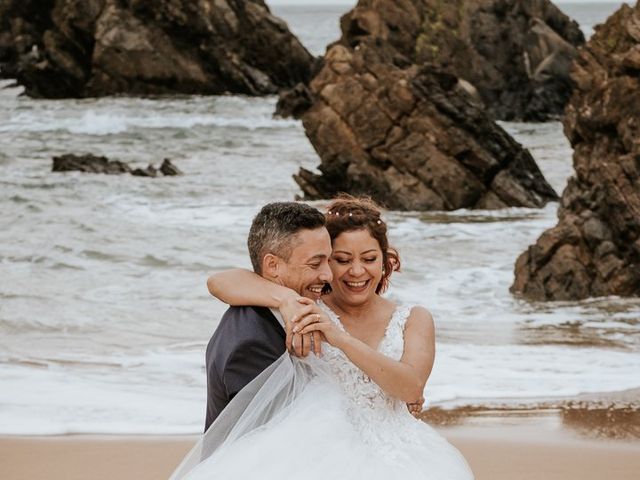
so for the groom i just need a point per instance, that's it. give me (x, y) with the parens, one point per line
(288, 244)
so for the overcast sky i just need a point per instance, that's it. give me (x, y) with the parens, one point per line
(353, 2)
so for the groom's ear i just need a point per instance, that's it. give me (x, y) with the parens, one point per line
(271, 266)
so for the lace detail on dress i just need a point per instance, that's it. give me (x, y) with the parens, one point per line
(379, 417)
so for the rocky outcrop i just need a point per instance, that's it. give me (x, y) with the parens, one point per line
(95, 164)
(71, 48)
(594, 250)
(22, 24)
(412, 138)
(89, 164)
(515, 53)
(168, 169)
(294, 102)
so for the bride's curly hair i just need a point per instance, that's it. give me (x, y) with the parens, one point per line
(347, 213)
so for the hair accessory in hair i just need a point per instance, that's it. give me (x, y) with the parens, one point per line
(379, 222)
(351, 214)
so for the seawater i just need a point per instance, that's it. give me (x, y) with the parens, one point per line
(104, 313)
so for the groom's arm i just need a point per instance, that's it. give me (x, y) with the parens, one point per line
(247, 360)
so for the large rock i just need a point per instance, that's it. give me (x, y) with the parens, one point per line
(516, 53)
(73, 48)
(594, 249)
(22, 23)
(412, 138)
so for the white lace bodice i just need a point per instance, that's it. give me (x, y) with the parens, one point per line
(375, 413)
(357, 385)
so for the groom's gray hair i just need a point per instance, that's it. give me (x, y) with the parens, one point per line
(274, 228)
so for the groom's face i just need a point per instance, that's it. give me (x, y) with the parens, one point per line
(307, 269)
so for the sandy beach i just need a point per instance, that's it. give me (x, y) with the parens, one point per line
(497, 447)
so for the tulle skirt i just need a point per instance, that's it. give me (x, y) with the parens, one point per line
(311, 431)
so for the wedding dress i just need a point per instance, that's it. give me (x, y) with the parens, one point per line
(319, 418)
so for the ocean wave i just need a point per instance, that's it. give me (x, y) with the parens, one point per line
(97, 123)
(463, 373)
(163, 391)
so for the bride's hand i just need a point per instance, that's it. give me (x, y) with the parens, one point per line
(292, 309)
(415, 408)
(318, 321)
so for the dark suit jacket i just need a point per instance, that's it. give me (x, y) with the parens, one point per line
(247, 340)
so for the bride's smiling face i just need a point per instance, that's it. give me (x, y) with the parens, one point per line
(356, 264)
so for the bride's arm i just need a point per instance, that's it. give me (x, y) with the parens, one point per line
(404, 379)
(243, 287)
(254, 290)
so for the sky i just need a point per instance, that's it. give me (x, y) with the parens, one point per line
(353, 2)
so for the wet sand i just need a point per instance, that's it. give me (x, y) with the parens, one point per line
(596, 416)
(507, 446)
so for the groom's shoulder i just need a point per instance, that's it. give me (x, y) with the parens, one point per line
(246, 320)
(248, 312)
(244, 326)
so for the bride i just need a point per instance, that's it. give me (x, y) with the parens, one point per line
(339, 414)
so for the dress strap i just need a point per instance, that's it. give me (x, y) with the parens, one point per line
(400, 317)
(392, 343)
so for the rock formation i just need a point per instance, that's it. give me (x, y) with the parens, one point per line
(22, 24)
(515, 53)
(412, 138)
(594, 249)
(89, 164)
(71, 48)
(168, 169)
(94, 164)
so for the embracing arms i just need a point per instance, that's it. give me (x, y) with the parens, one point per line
(254, 290)
(404, 379)
(239, 287)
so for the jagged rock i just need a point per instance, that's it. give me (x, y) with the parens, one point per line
(413, 139)
(22, 24)
(150, 171)
(70, 48)
(89, 164)
(594, 250)
(168, 169)
(294, 102)
(94, 164)
(516, 53)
